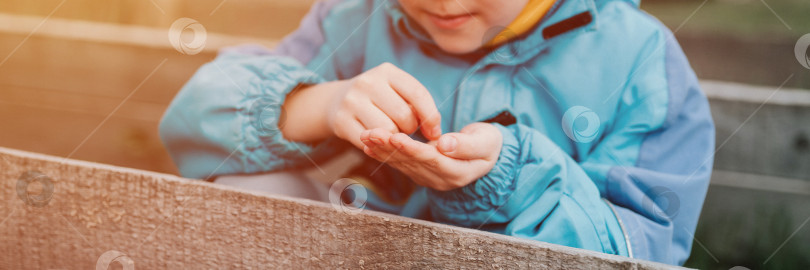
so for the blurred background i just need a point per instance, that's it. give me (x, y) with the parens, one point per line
(90, 79)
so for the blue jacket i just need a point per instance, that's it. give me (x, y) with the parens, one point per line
(605, 101)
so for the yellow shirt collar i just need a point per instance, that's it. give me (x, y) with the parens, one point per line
(528, 18)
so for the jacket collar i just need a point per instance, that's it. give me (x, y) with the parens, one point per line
(521, 48)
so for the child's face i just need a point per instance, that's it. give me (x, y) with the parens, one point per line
(459, 26)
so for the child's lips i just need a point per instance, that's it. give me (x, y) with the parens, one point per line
(450, 22)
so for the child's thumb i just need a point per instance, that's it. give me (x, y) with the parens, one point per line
(461, 146)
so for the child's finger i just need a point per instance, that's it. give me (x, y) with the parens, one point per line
(381, 152)
(365, 137)
(367, 150)
(419, 97)
(382, 155)
(380, 139)
(373, 116)
(397, 110)
(462, 146)
(350, 131)
(412, 148)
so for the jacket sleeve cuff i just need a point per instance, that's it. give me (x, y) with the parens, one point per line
(262, 113)
(476, 200)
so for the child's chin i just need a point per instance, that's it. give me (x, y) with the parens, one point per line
(459, 47)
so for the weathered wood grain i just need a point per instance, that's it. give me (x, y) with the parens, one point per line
(162, 221)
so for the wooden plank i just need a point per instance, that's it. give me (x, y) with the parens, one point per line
(256, 18)
(750, 59)
(757, 94)
(54, 93)
(86, 212)
(119, 141)
(761, 130)
(761, 182)
(132, 35)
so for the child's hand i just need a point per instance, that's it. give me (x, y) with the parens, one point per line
(455, 160)
(383, 97)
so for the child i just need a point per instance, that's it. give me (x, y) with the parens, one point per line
(575, 122)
